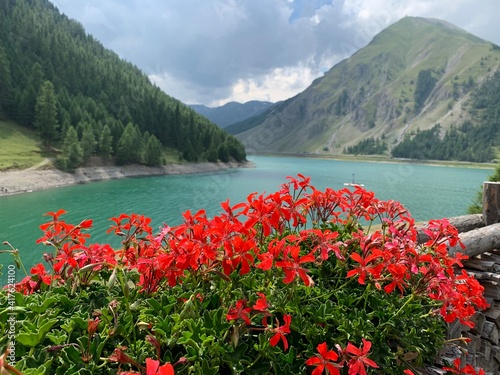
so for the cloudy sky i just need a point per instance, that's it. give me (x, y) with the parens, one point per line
(214, 51)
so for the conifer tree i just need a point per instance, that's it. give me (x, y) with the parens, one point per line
(5, 83)
(106, 142)
(36, 78)
(139, 144)
(97, 129)
(128, 152)
(32, 91)
(46, 114)
(236, 149)
(72, 156)
(223, 152)
(424, 86)
(144, 144)
(153, 154)
(123, 111)
(212, 154)
(87, 142)
(117, 128)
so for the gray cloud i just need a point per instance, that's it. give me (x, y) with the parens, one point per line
(212, 51)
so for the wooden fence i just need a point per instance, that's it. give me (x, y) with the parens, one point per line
(481, 235)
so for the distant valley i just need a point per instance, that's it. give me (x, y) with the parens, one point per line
(231, 112)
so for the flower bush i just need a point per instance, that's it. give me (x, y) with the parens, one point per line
(298, 281)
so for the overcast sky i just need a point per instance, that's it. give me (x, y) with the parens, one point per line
(214, 51)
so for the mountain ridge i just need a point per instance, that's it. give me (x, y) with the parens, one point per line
(231, 112)
(372, 93)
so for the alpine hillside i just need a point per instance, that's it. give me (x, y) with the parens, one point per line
(82, 100)
(231, 112)
(417, 79)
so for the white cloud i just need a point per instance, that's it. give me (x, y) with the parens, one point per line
(280, 84)
(212, 51)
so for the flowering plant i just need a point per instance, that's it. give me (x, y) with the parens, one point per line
(297, 281)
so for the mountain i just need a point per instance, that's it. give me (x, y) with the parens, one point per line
(85, 100)
(416, 75)
(231, 112)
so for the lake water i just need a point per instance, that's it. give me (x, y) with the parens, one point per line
(427, 191)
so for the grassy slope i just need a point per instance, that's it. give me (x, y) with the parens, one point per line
(19, 147)
(396, 63)
(386, 70)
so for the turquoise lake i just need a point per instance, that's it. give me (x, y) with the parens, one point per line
(427, 191)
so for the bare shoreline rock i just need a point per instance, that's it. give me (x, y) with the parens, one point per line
(30, 180)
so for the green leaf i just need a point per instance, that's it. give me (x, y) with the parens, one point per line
(206, 369)
(68, 326)
(208, 341)
(83, 341)
(290, 356)
(155, 305)
(239, 353)
(79, 321)
(21, 299)
(57, 337)
(28, 339)
(96, 346)
(36, 336)
(41, 370)
(71, 355)
(77, 370)
(98, 350)
(68, 302)
(44, 306)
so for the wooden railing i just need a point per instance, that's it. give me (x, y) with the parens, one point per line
(480, 234)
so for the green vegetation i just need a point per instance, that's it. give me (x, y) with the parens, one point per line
(473, 140)
(72, 156)
(425, 84)
(19, 147)
(368, 146)
(457, 144)
(50, 81)
(46, 114)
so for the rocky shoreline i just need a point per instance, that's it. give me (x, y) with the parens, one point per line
(30, 180)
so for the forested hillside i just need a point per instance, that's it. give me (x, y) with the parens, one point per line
(476, 138)
(84, 100)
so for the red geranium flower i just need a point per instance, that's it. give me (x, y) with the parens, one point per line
(280, 332)
(40, 271)
(153, 368)
(359, 358)
(467, 369)
(240, 312)
(324, 360)
(292, 267)
(364, 269)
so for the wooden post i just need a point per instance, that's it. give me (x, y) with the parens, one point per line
(491, 202)
(478, 241)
